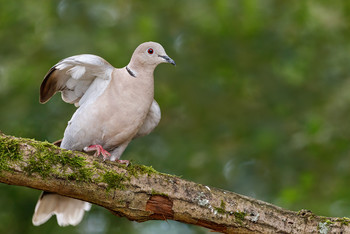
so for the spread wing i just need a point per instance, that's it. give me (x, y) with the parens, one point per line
(79, 79)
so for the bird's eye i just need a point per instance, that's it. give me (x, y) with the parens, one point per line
(150, 51)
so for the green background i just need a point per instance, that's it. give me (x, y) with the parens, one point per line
(258, 104)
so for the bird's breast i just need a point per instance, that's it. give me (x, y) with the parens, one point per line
(122, 109)
(114, 117)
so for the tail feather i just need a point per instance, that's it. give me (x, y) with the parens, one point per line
(69, 211)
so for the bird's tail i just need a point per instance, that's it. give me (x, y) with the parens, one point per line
(69, 211)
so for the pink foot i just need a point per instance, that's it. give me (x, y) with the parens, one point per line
(99, 150)
(126, 162)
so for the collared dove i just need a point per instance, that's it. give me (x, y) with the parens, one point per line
(115, 105)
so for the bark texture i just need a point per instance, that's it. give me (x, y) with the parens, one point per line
(140, 193)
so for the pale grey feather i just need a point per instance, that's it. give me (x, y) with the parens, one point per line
(114, 107)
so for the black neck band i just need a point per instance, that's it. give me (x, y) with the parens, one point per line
(130, 72)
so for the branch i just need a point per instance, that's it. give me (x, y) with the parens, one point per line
(140, 193)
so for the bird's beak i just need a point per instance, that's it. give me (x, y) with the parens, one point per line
(167, 59)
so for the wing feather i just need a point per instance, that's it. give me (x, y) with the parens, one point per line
(73, 76)
(151, 121)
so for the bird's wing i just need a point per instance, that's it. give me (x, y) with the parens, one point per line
(79, 78)
(151, 121)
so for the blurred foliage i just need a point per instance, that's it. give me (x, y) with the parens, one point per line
(258, 103)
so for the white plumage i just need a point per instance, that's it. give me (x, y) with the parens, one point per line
(115, 105)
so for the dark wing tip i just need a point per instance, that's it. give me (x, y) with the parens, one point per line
(57, 143)
(48, 86)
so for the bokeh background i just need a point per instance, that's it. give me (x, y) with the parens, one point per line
(258, 104)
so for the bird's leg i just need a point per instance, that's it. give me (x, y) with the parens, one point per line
(126, 162)
(117, 152)
(99, 150)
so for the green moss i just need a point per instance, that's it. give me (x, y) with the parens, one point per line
(327, 221)
(114, 180)
(306, 214)
(137, 170)
(9, 149)
(223, 205)
(38, 165)
(323, 225)
(97, 165)
(239, 216)
(343, 221)
(82, 174)
(222, 208)
(46, 161)
(154, 192)
(41, 162)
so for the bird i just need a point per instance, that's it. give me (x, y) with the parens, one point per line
(114, 106)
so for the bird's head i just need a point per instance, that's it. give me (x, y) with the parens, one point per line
(150, 54)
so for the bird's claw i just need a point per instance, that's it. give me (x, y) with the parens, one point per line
(126, 162)
(99, 150)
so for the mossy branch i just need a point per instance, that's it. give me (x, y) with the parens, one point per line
(140, 193)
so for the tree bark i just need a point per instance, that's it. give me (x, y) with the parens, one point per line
(140, 193)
